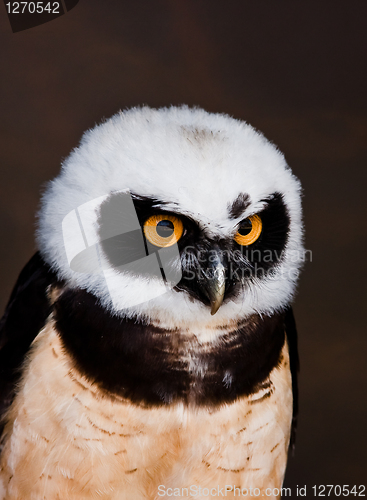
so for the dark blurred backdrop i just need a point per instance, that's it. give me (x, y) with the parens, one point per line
(296, 71)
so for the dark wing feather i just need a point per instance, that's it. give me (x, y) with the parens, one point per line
(291, 332)
(25, 315)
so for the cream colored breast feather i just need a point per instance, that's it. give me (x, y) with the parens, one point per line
(67, 439)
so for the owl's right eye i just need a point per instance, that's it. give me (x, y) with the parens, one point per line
(163, 230)
(249, 231)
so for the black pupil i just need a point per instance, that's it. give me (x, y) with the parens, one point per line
(245, 228)
(165, 228)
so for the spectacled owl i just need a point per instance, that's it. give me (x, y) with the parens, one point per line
(149, 348)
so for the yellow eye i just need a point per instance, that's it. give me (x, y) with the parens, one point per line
(249, 231)
(163, 230)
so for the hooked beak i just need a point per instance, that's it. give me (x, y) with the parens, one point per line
(213, 282)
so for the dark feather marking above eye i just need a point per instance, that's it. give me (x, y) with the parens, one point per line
(239, 205)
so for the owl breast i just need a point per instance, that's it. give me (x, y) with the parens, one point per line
(67, 438)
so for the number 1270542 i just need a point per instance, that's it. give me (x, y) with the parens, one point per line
(326, 490)
(33, 7)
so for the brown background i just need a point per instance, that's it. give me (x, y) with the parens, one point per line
(295, 70)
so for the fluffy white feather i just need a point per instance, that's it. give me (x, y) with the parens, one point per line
(197, 160)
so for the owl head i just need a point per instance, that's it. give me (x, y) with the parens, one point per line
(175, 216)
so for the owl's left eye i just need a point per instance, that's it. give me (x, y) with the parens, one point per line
(249, 231)
(163, 230)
